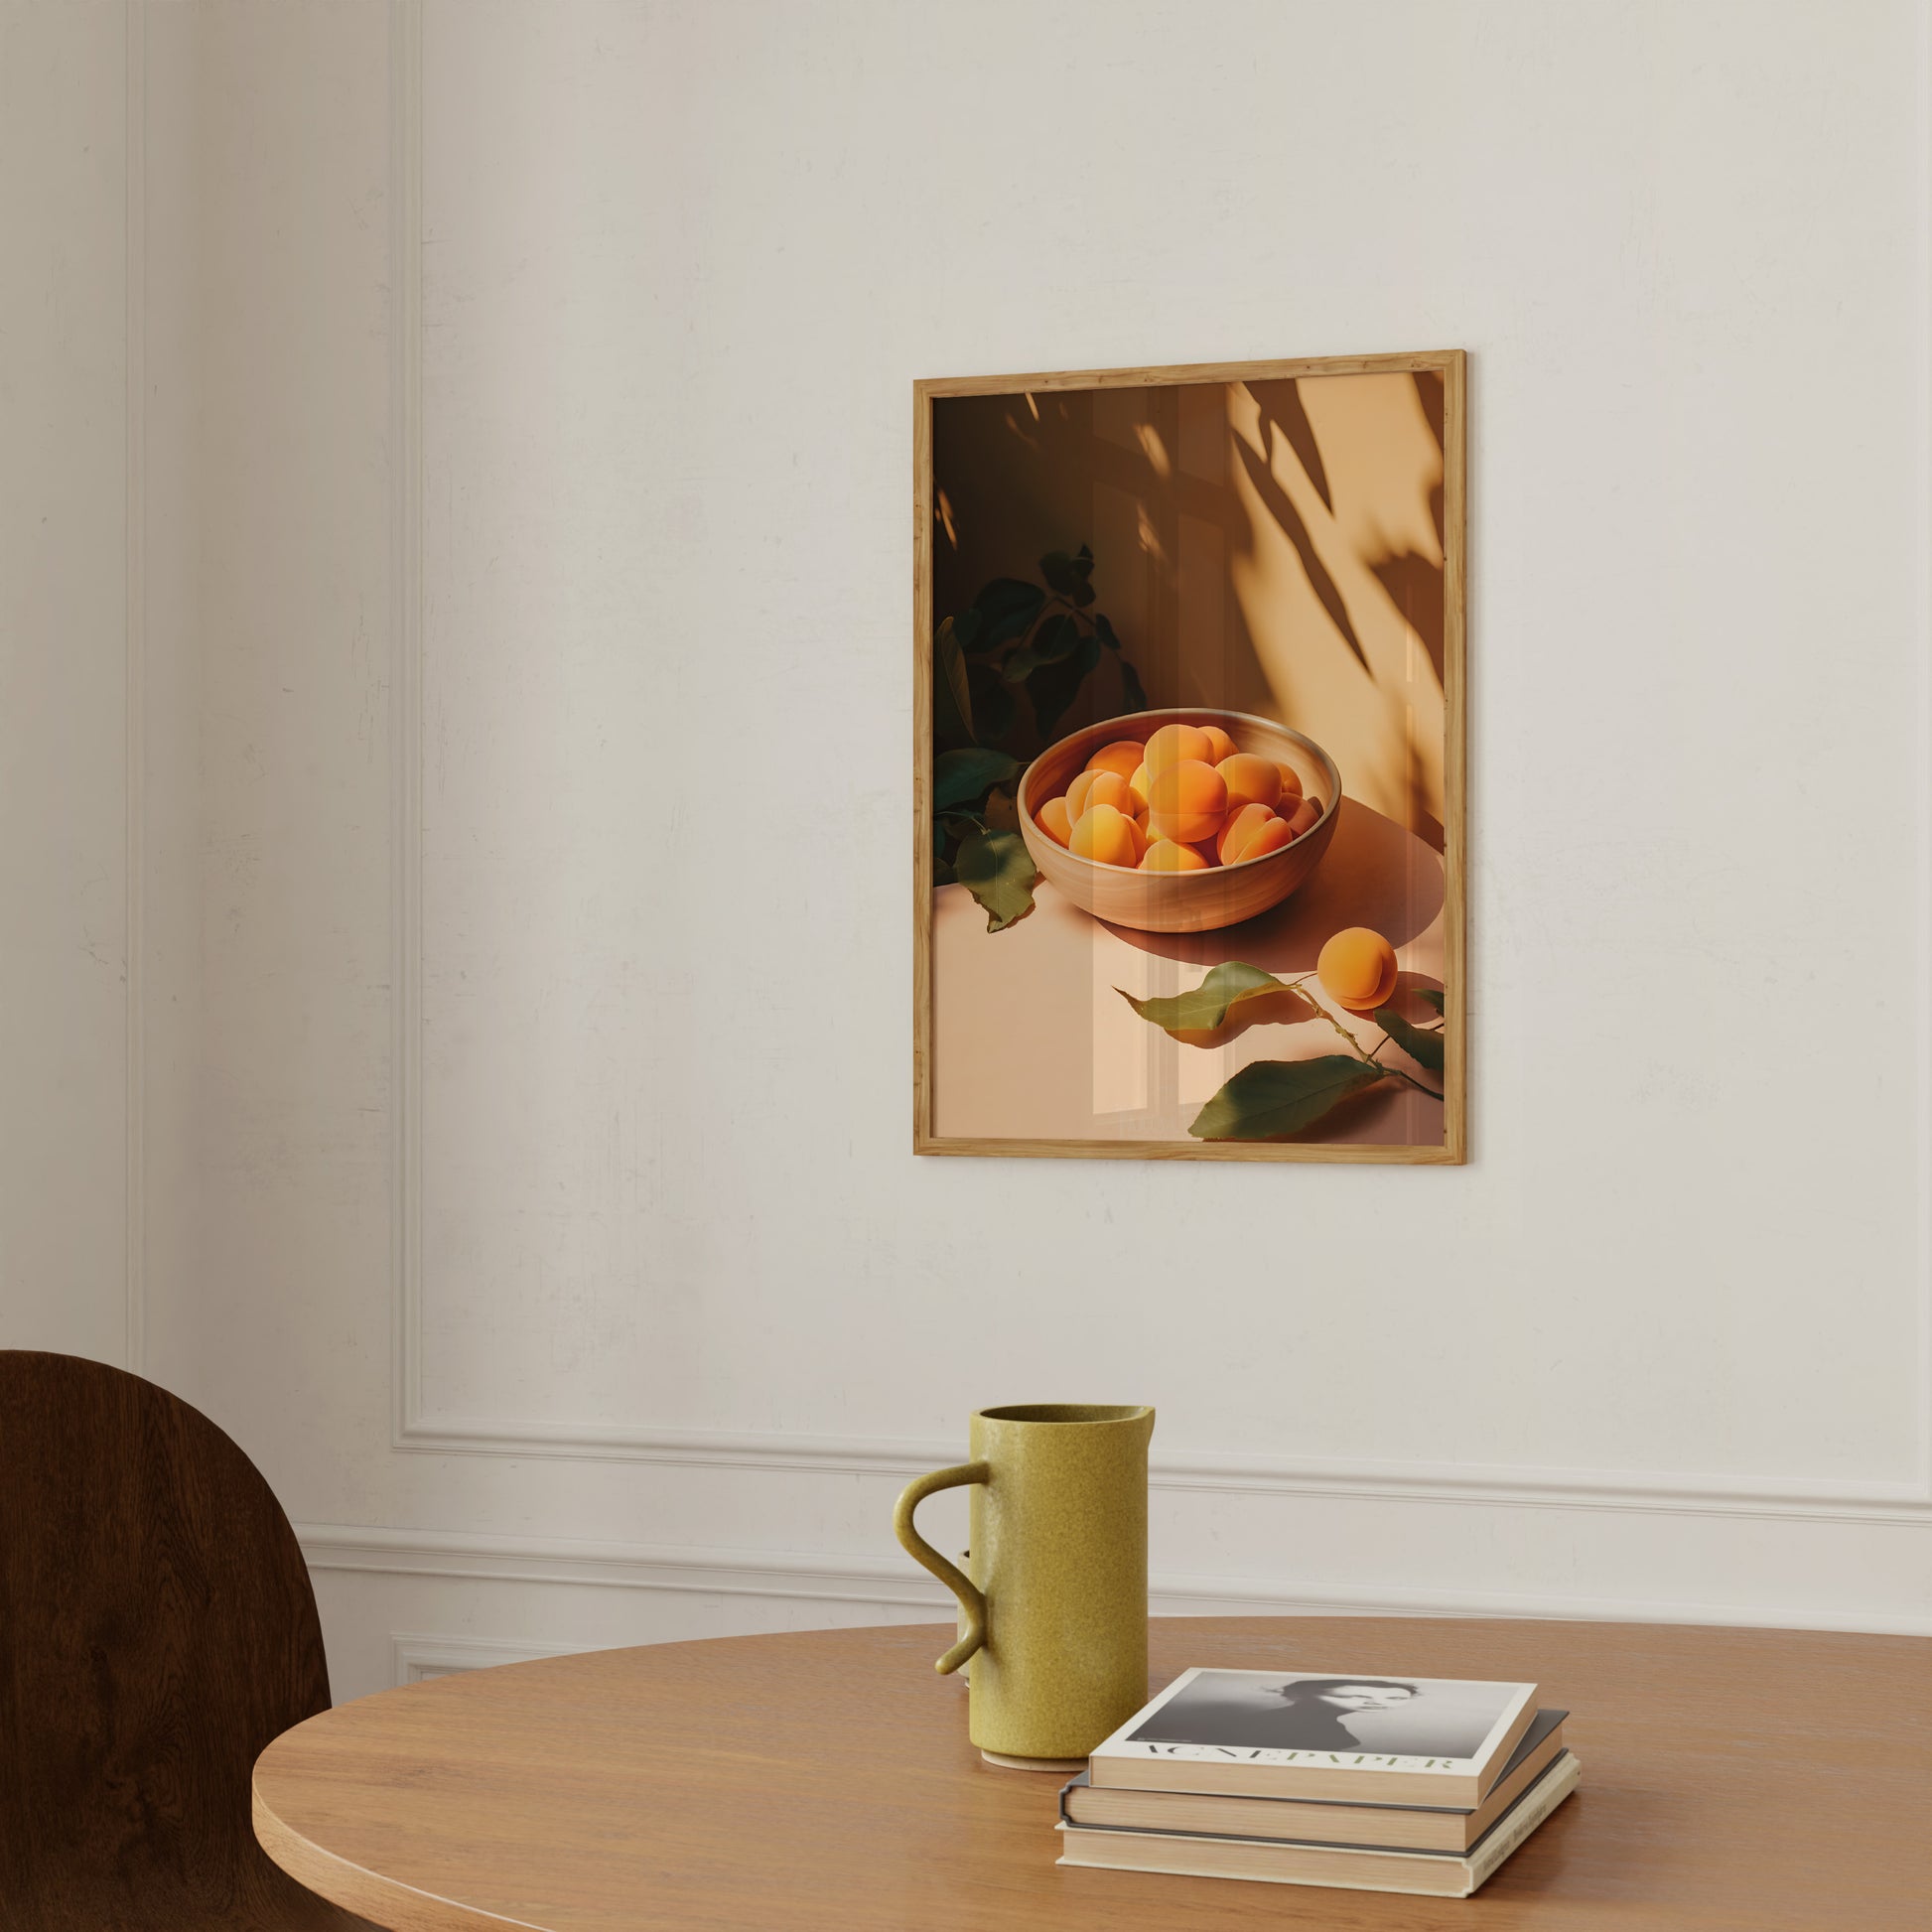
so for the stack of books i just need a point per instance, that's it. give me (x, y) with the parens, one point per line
(1411, 1784)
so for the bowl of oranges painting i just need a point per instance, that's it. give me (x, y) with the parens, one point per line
(1181, 820)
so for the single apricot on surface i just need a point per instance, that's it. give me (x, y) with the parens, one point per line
(1357, 968)
(1291, 780)
(1237, 829)
(1186, 802)
(1119, 758)
(1250, 780)
(1106, 836)
(1053, 819)
(1219, 745)
(1304, 814)
(1162, 855)
(1173, 742)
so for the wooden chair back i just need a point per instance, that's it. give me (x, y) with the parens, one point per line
(157, 1630)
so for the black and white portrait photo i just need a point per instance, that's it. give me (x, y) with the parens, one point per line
(1404, 1717)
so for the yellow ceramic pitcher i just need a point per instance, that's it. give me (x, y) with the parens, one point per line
(1055, 1612)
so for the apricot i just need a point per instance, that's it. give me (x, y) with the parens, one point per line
(1107, 836)
(1305, 812)
(1357, 968)
(1186, 801)
(1173, 742)
(1138, 785)
(1119, 758)
(1053, 819)
(1251, 833)
(1162, 855)
(1270, 837)
(1250, 780)
(1291, 780)
(1219, 745)
(1092, 788)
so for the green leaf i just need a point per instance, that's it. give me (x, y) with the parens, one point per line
(994, 707)
(1131, 694)
(966, 626)
(1209, 1004)
(1007, 607)
(952, 697)
(1425, 1048)
(1433, 994)
(958, 777)
(996, 869)
(1058, 638)
(1270, 1098)
(1053, 687)
(1067, 574)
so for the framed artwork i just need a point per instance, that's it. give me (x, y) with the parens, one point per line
(1189, 848)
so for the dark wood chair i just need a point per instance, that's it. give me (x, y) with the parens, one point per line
(157, 1630)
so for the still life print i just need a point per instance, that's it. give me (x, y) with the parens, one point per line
(1190, 762)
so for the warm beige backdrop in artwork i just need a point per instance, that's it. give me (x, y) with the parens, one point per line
(1272, 547)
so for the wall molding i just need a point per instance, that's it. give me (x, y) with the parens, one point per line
(415, 1429)
(890, 1582)
(415, 1659)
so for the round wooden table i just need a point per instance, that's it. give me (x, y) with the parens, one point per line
(1731, 1778)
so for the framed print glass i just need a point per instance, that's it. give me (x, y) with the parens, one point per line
(1189, 765)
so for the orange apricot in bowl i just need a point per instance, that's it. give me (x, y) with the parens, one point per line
(1092, 788)
(1219, 745)
(1250, 780)
(1164, 855)
(1186, 801)
(1251, 833)
(1357, 968)
(1056, 821)
(1107, 836)
(1119, 758)
(1291, 780)
(1304, 814)
(1172, 744)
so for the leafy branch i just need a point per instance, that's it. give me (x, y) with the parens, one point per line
(1047, 638)
(1270, 1098)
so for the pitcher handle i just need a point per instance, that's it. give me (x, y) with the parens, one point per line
(922, 1552)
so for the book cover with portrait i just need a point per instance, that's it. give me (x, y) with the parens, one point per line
(1374, 1738)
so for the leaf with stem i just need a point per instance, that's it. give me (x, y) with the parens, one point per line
(1209, 1004)
(1270, 1098)
(1432, 994)
(996, 869)
(1424, 1046)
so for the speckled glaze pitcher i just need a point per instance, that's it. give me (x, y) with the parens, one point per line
(1055, 1612)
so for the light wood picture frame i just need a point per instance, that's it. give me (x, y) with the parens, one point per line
(1270, 559)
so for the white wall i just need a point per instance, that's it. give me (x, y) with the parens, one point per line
(67, 550)
(558, 1251)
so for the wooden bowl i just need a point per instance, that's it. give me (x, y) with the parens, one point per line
(1180, 901)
